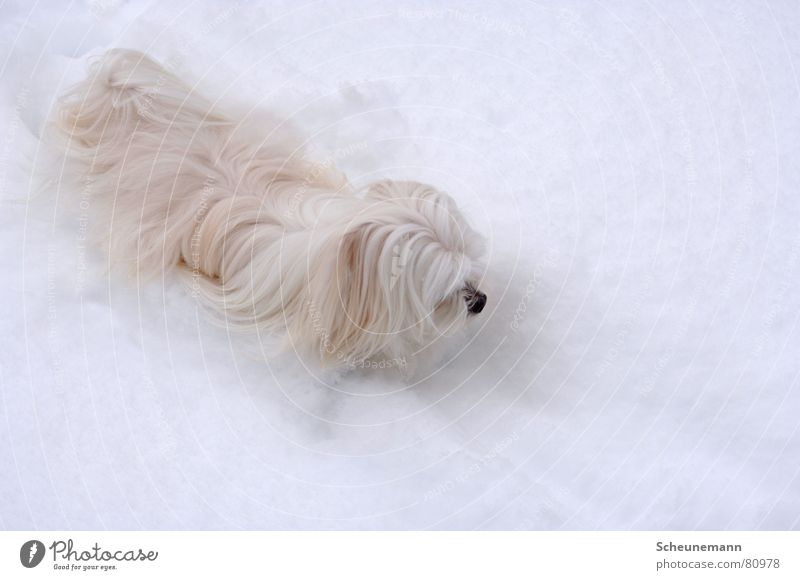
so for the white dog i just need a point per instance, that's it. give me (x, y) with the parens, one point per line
(269, 240)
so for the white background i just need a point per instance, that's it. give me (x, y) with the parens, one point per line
(635, 167)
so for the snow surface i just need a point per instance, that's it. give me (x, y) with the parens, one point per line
(635, 166)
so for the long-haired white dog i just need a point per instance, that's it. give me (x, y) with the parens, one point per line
(270, 240)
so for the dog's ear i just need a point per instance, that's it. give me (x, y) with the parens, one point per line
(366, 305)
(213, 240)
(357, 275)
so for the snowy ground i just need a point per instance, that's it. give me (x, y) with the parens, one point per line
(636, 169)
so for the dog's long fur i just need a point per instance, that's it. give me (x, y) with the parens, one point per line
(267, 238)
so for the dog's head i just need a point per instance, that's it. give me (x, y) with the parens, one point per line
(408, 271)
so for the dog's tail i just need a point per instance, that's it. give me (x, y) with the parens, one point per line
(125, 91)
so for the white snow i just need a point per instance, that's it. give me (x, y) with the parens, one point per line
(635, 167)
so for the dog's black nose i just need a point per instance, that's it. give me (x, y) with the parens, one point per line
(476, 303)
